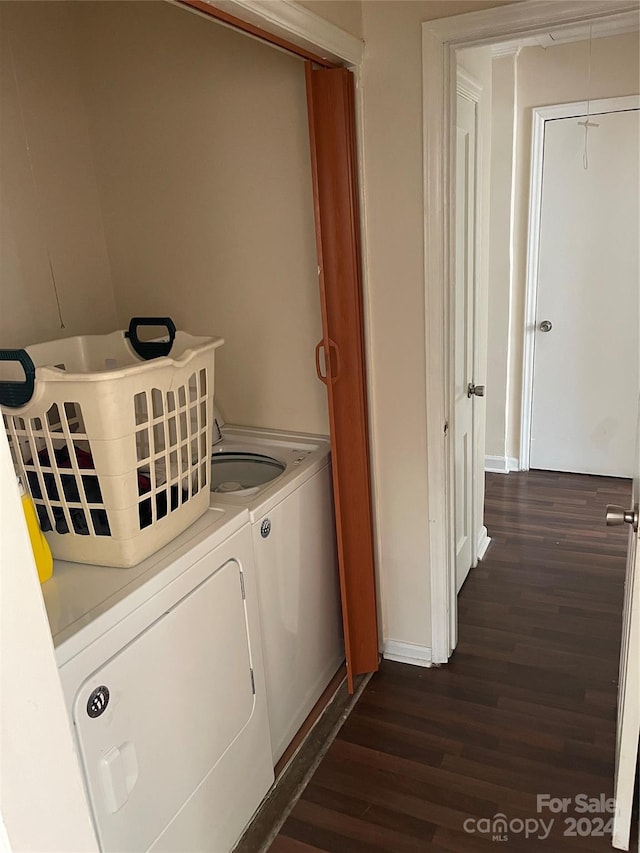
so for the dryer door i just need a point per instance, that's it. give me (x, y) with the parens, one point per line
(178, 697)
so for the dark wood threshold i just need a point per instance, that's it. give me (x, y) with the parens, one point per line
(295, 772)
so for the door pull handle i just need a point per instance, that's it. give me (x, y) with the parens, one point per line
(321, 376)
(335, 365)
(332, 363)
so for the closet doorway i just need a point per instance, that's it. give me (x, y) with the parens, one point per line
(340, 355)
(164, 166)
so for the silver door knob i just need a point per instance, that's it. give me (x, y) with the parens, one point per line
(475, 390)
(546, 326)
(619, 515)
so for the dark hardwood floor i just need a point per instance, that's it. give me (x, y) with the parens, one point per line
(526, 706)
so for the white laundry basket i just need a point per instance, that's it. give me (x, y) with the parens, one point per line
(112, 434)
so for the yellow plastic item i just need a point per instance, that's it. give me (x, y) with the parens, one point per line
(40, 546)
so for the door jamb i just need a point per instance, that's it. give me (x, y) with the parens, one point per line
(471, 89)
(541, 115)
(440, 39)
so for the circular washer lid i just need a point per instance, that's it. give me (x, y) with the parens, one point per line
(242, 472)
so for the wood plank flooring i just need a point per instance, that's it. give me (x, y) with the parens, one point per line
(526, 706)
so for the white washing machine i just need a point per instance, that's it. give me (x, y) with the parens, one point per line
(162, 670)
(284, 479)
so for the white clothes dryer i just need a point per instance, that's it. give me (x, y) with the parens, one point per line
(284, 479)
(161, 666)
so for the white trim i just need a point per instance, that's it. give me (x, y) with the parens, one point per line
(507, 48)
(541, 115)
(407, 653)
(500, 464)
(576, 109)
(298, 25)
(484, 540)
(626, 22)
(470, 89)
(531, 286)
(513, 283)
(467, 86)
(526, 18)
(439, 42)
(436, 68)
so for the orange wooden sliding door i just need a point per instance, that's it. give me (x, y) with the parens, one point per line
(331, 107)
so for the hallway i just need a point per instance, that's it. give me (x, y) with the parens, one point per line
(527, 705)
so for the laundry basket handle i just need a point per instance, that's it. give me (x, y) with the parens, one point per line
(16, 394)
(151, 349)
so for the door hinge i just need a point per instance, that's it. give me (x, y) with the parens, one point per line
(253, 682)
(244, 595)
(446, 428)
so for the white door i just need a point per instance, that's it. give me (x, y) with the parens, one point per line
(464, 326)
(628, 726)
(583, 411)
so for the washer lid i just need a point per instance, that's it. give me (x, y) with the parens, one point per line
(233, 472)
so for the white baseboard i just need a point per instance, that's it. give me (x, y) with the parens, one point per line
(501, 464)
(484, 540)
(407, 653)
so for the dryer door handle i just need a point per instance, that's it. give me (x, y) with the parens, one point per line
(118, 774)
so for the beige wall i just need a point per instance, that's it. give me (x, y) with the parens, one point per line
(201, 147)
(49, 205)
(392, 130)
(548, 76)
(346, 14)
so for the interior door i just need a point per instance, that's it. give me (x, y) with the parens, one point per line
(583, 411)
(465, 236)
(628, 725)
(330, 103)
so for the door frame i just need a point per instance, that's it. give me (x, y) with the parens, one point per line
(287, 25)
(440, 40)
(541, 115)
(470, 89)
